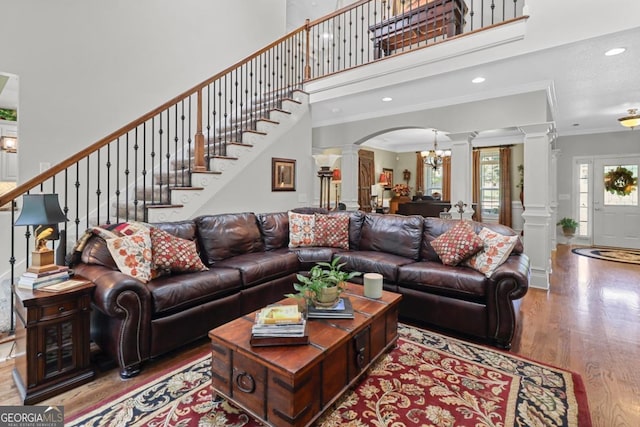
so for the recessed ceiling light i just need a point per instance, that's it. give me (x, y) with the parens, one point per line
(615, 51)
(478, 80)
(387, 99)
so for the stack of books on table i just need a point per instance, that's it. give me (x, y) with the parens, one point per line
(342, 310)
(31, 281)
(279, 325)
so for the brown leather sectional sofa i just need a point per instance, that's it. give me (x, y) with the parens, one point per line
(251, 265)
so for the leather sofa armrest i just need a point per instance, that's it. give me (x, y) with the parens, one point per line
(509, 282)
(122, 307)
(110, 285)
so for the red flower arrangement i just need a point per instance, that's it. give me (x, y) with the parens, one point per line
(401, 189)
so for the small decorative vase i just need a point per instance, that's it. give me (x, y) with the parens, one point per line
(328, 297)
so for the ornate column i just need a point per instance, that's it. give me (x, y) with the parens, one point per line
(537, 201)
(461, 173)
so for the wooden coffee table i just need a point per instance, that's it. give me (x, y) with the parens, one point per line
(293, 385)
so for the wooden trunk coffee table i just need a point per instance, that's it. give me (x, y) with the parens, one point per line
(293, 385)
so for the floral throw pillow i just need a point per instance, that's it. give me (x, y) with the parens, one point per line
(301, 227)
(132, 254)
(457, 244)
(497, 248)
(171, 254)
(332, 231)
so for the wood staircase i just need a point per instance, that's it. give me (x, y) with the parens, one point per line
(182, 187)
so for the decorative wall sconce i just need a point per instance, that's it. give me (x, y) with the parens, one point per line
(9, 144)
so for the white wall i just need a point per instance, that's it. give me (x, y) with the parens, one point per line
(88, 67)
(251, 191)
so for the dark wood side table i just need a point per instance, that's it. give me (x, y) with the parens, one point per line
(52, 341)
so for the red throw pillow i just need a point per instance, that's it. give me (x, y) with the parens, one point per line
(331, 231)
(171, 254)
(457, 244)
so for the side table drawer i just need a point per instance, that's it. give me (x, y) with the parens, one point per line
(62, 308)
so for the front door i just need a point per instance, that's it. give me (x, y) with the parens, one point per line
(366, 178)
(616, 216)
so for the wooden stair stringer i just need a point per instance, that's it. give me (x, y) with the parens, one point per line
(186, 204)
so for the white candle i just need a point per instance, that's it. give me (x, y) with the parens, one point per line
(373, 285)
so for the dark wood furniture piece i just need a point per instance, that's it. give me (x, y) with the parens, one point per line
(52, 341)
(293, 385)
(434, 19)
(430, 208)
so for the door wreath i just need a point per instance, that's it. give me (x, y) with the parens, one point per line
(620, 181)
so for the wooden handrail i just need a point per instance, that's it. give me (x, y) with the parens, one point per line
(59, 167)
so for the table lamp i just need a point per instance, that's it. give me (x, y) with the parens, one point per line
(43, 212)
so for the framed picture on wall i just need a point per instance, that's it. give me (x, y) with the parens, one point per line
(283, 174)
(389, 173)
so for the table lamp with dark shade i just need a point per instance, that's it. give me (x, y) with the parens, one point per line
(43, 212)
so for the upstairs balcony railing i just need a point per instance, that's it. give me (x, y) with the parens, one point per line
(123, 175)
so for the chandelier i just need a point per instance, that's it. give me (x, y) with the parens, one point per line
(435, 157)
(632, 120)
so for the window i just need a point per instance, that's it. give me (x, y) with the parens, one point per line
(432, 180)
(584, 201)
(490, 184)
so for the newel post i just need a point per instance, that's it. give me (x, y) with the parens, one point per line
(199, 165)
(307, 67)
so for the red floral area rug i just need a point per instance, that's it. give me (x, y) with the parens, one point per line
(428, 380)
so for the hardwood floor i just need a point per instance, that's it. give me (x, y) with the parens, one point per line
(588, 322)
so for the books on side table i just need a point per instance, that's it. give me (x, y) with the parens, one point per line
(279, 325)
(342, 310)
(32, 281)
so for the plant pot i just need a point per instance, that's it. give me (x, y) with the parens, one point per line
(568, 231)
(328, 297)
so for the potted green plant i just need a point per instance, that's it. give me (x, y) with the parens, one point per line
(568, 225)
(324, 283)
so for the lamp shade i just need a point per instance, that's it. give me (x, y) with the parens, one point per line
(326, 160)
(383, 179)
(337, 176)
(40, 209)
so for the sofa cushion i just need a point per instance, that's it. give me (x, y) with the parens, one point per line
(457, 244)
(179, 292)
(227, 235)
(393, 234)
(497, 248)
(332, 231)
(308, 256)
(171, 254)
(434, 277)
(256, 268)
(373, 262)
(183, 229)
(275, 229)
